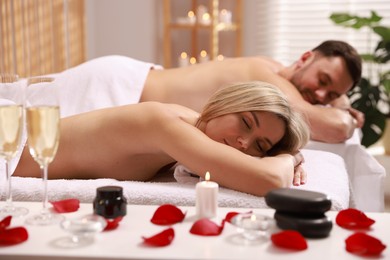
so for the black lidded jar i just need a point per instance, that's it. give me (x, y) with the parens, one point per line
(109, 202)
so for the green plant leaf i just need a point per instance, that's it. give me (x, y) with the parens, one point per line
(368, 57)
(375, 17)
(341, 18)
(382, 52)
(383, 32)
(373, 127)
(354, 21)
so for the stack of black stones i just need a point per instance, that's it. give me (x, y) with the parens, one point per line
(301, 210)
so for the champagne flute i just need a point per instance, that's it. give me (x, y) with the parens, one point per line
(11, 126)
(43, 122)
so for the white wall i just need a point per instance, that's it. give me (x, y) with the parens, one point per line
(126, 27)
(134, 28)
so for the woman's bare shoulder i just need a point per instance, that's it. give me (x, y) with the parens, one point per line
(165, 111)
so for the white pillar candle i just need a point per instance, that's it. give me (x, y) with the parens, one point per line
(203, 56)
(225, 16)
(206, 198)
(201, 10)
(191, 17)
(183, 60)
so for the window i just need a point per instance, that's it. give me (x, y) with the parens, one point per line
(287, 28)
(41, 37)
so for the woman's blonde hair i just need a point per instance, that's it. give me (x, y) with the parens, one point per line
(261, 97)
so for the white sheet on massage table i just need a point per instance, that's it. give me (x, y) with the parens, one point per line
(366, 175)
(326, 173)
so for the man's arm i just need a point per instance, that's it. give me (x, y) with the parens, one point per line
(343, 103)
(328, 124)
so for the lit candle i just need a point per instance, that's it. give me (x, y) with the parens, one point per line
(206, 19)
(225, 16)
(191, 17)
(206, 198)
(220, 57)
(183, 60)
(252, 226)
(200, 12)
(203, 56)
(192, 60)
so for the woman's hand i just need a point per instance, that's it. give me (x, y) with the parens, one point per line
(300, 176)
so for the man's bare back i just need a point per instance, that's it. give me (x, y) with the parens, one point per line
(193, 85)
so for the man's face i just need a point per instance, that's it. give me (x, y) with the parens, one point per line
(320, 79)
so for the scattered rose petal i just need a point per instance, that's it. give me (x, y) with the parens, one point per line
(66, 206)
(353, 219)
(290, 239)
(363, 244)
(205, 227)
(167, 214)
(112, 223)
(163, 238)
(5, 222)
(231, 215)
(12, 236)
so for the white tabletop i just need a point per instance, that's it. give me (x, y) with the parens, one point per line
(126, 243)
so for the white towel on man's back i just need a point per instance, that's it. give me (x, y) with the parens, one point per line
(99, 83)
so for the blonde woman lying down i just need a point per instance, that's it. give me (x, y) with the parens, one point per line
(134, 142)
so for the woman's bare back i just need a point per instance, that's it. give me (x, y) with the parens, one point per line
(110, 143)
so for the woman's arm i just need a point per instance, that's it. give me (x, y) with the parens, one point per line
(227, 166)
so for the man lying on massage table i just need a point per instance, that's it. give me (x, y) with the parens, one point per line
(321, 76)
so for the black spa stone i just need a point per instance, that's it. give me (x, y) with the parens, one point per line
(298, 201)
(310, 226)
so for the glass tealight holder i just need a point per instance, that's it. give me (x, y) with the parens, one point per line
(252, 226)
(82, 229)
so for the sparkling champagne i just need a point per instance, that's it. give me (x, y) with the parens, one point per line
(11, 122)
(43, 133)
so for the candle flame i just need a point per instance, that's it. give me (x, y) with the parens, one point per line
(220, 57)
(191, 14)
(207, 176)
(206, 17)
(183, 55)
(253, 217)
(193, 60)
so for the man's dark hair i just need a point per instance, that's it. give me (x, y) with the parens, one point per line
(342, 49)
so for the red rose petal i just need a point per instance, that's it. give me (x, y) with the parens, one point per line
(167, 214)
(112, 223)
(13, 236)
(290, 239)
(353, 219)
(66, 206)
(163, 238)
(5, 222)
(231, 215)
(363, 244)
(205, 227)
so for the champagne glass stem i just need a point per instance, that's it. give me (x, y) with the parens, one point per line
(8, 187)
(9, 209)
(45, 209)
